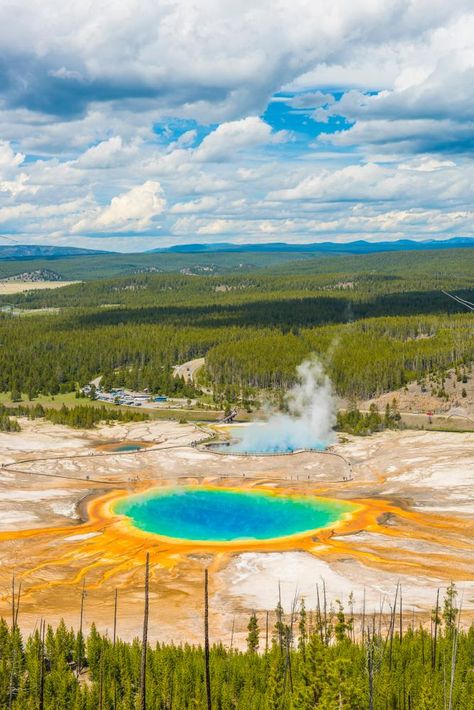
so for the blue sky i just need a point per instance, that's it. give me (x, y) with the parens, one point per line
(141, 124)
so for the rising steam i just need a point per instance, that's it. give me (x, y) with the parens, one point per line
(308, 423)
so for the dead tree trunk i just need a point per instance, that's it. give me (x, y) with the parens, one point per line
(319, 620)
(370, 667)
(41, 684)
(232, 633)
(435, 639)
(114, 642)
(454, 655)
(325, 612)
(363, 618)
(115, 617)
(401, 617)
(13, 603)
(392, 626)
(266, 632)
(101, 679)
(80, 644)
(145, 636)
(206, 640)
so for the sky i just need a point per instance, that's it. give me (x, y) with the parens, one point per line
(135, 124)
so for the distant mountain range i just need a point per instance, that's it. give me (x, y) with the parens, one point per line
(358, 247)
(33, 251)
(29, 251)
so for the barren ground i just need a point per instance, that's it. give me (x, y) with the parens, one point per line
(9, 287)
(416, 489)
(420, 398)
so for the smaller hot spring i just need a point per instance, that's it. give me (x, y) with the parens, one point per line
(124, 448)
(224, 515)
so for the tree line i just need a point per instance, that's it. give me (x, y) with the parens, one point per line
(377, 325)
(327, 658)
(80, 416)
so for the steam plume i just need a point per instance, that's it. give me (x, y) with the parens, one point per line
(309, 422)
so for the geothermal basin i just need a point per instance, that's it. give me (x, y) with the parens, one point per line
(59, 529)
(261, 438)
(225, 515)
(242, 448)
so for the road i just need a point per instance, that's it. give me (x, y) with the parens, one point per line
(188, 369)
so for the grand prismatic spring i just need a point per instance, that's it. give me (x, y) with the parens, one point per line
(220, 515)
(90, 516)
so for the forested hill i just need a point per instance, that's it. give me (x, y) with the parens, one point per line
(379, 321)
(89, 266)
(339, 283)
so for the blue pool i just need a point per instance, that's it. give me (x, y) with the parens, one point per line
(223, 515)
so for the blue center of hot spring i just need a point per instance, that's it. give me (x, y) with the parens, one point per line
(222, 515)
(123, 448)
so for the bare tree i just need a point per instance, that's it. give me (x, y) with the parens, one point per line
(115, 617)
(15, 608)
(80, 640)
(232, 633)
(266, 632)
(114, 642)
(435, 620)
(41, 683)
(206, 640)
(145, 636)
(454, 656)
(401, 617)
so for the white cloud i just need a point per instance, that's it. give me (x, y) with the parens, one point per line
(217, 226)
(103, 155)
(8, 157)
(427, 182)
(134, 210)
(203, 204)
(18, 186)
(427, 165)
(15, 212)
(231, 137)
(429, 105)
(121, 95)
(186, 139)
(209, 58)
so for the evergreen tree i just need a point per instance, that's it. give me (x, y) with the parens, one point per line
(253, 637)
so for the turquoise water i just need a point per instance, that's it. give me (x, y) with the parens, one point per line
(238, 446)
(128, 447)
(217, 515)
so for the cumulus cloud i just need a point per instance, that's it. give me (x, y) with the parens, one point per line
(407, 135)
(203, 204)
(134, 211)
(20, 185)
(231, 137)
(422, 182)
(312, 100)
(106, 154)
(429, 107)
(141, 50)
(307, 120)
(8, 157)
